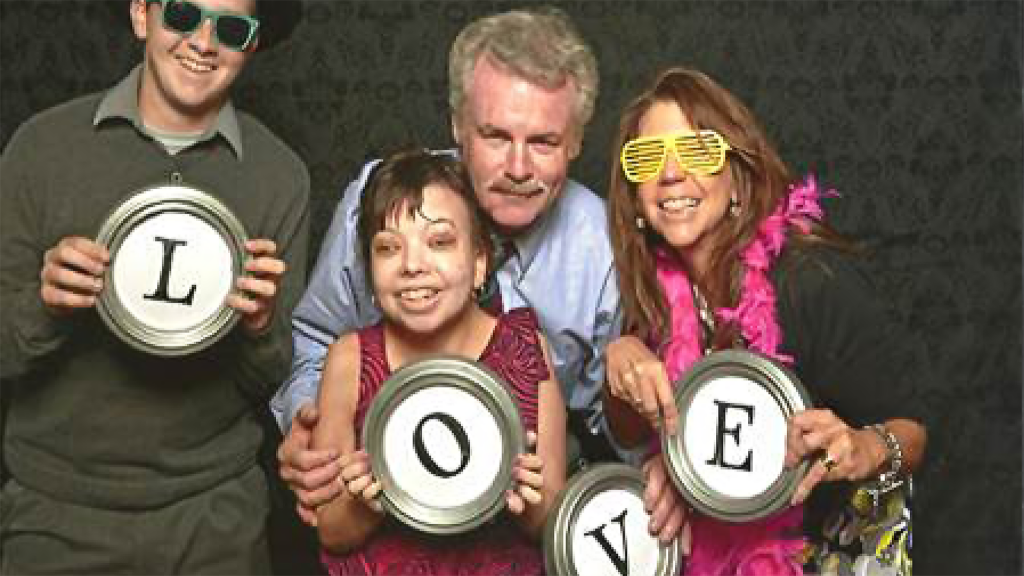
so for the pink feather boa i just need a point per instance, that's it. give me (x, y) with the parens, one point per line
(769, 546)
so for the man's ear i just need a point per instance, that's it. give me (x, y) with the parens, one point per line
(139, 12)
(576, 144)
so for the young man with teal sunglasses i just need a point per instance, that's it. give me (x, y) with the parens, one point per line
(121, 461)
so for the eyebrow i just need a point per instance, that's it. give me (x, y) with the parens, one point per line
(439, 222)
(492, 129)
(391, 225)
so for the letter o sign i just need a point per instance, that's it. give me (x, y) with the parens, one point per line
(442, 434)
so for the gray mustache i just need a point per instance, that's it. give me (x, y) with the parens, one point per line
(526, 187)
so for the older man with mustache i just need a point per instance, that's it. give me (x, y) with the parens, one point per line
(522, 88)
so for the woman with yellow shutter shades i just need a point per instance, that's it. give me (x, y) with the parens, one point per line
(718, 247)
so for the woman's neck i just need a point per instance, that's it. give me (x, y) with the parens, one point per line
(466, 335)
(696, 259)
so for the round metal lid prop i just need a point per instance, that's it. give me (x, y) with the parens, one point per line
(598, 527)
(175, 253)
(442, 434)
(727, 457)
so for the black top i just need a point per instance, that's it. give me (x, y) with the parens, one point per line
(847, 353)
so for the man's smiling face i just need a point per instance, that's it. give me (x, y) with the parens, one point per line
(186, 77)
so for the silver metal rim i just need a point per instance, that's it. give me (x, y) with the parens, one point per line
(122, 220)
(791, 396)
(473, 378)
(582, 487)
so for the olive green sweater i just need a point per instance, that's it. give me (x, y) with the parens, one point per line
(92, 420)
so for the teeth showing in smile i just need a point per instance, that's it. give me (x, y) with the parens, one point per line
(677, 204)
(418, 294)
(197, 67)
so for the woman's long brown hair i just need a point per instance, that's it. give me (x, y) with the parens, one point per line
(760, 180)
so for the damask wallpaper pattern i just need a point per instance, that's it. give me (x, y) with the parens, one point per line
(911, 109)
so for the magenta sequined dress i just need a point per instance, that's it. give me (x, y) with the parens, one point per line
(496, 548)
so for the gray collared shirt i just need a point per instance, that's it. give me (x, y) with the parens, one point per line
(562, 269)
(122, 101)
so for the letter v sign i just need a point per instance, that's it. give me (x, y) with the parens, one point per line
(621, 562)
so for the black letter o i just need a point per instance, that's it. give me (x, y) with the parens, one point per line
(461, 438)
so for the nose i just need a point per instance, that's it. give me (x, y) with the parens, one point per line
(519, 164)
(671, 172)
(202, 39)
(413, 261)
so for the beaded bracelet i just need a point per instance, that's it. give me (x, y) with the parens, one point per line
(888, 480)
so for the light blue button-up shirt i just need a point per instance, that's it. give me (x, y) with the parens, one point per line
(562, 269)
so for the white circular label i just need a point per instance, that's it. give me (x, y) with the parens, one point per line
(734, 432)
(610, 536)
(443, 447)
(172, 271)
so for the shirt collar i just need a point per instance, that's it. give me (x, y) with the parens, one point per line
(122, 101)
(528, 244)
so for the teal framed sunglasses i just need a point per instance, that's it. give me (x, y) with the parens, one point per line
(231, 29)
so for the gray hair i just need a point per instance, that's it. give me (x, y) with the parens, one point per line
(540, 45)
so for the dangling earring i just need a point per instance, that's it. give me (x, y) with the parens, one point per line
(640, 224)
(734, 207)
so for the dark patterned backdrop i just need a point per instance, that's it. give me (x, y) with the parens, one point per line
(911, 109)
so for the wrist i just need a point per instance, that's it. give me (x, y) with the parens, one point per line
(42, 319)
(257, 326)
(57, 312)
(889, 471)
(876, 450)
